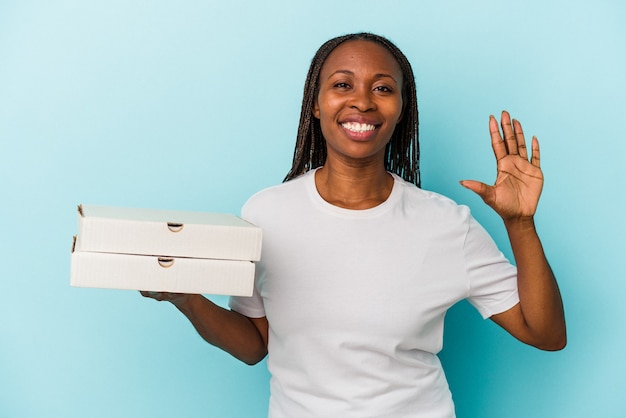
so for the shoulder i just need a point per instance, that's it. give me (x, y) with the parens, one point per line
(275, 197)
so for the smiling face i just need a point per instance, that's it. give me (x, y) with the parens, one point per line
(359, 101)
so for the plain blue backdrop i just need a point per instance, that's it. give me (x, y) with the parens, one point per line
(194, 105)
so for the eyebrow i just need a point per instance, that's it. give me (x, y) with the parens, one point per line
(377, 76)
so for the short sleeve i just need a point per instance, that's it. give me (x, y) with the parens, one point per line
(492, 278)
(252, 306)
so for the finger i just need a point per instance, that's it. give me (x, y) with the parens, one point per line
(535, 158)
(499, 149)
(519, 137)
(151, 295)
(509, 136)
(486, 192)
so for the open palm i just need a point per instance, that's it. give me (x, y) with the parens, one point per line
(518, 184)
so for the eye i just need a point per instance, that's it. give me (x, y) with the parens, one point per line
(384, 89)
(341, 85)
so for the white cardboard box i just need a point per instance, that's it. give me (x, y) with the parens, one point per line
(164, 251)
(162, 274)
(169, 233)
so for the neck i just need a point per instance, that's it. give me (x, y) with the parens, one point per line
(353, 187)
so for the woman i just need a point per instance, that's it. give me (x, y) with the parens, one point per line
(360, 265)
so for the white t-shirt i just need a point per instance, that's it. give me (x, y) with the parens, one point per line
(356, 299)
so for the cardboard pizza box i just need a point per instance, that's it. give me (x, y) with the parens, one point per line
(162, 274)
(109, 229)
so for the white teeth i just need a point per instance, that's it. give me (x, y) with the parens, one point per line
(358, 127)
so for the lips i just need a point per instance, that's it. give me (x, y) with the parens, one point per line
(358, 127)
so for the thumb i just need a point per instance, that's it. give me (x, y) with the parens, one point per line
(481, 189)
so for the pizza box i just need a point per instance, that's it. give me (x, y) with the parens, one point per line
(109, 229)
(161, 274)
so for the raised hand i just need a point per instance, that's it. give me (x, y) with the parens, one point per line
(515, 194)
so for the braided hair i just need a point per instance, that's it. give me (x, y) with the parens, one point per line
(402, 151)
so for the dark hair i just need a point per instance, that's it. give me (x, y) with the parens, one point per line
(402, 151)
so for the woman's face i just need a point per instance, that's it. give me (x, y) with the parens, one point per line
(359, 101)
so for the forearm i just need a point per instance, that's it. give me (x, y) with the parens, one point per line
(540, 299)
(223, 328)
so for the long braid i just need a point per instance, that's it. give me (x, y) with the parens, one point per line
(402, 152)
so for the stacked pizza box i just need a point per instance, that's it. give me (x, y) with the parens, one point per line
(164, 251)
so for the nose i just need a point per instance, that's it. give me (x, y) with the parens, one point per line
(362, 99)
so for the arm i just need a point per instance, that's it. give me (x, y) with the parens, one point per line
(244, 338)
(538, 319)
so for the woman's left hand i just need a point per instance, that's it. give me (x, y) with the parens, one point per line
(515, 194)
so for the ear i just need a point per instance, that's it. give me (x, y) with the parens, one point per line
(316, 109)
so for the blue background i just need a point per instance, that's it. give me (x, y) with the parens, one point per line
(194, 105)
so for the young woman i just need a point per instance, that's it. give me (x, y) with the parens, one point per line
(360, 265)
